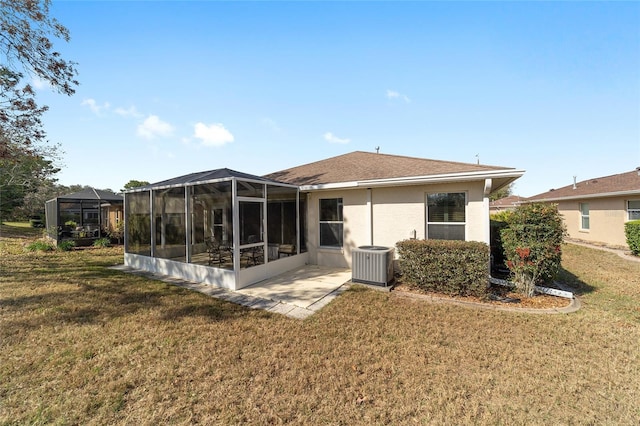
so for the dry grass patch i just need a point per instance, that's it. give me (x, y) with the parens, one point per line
(80, 343)
(611, 284)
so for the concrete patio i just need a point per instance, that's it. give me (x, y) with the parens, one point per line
(298, 293)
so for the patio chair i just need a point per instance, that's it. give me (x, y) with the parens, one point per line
(286, 249)
(252, 256)
(217, 253)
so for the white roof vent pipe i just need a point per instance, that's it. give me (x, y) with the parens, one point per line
(574, 182)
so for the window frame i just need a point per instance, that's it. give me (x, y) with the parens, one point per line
(634, 210)
(584, 216)
(340, 222)
(462, 224)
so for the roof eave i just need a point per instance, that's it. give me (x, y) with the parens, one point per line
(418, 180)
(581, 197)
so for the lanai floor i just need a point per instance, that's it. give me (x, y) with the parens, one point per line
(297, 293)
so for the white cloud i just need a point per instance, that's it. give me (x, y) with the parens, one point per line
(270, 124)
(153, 127)
(128, 112)
(330, 137)
(93, 105)
(392, 94)
(212, 134)
(40, 84)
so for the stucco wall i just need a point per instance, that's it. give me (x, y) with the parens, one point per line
(606, 220)
(115, 213)
(355, 231)
(384, 216)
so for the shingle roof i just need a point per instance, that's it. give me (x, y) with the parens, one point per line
(363, 166)
(510, 201)
(623, 183)
(91, 194)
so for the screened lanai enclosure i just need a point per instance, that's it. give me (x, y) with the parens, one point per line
(220, 227)
(84, 216)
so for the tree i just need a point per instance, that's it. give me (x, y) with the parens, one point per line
(23, 186)
(26, 29)
(134, 184)
(502, 192)
(34, 202)
(27, 160)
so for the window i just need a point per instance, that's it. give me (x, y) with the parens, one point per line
(584, 216)
(446, 216)
(633, 208)
(217, 223)
(90, 216)
(331, 224)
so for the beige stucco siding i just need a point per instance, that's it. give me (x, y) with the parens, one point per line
(397, 212)
(607, 217)
(115, 216)
(384, 216)
(354, 212)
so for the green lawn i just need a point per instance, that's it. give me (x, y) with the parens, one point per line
(83, 344)
(17, 224)
(19, 230)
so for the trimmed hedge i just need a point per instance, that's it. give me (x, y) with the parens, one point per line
(449, 267)
(632, 231)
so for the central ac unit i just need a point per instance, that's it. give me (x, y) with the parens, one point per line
(372, 265)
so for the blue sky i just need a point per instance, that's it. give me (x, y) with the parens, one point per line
(169, 88)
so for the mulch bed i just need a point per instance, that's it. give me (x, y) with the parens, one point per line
(498, 296)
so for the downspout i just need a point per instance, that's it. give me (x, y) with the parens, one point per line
(485, 204)
(369, 218)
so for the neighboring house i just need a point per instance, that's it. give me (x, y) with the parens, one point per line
(232, 229)
(506, 203)
(88, 214)
(596, 210)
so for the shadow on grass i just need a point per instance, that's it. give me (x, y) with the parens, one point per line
(101, 296)
(576, 285)
(215, 311)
